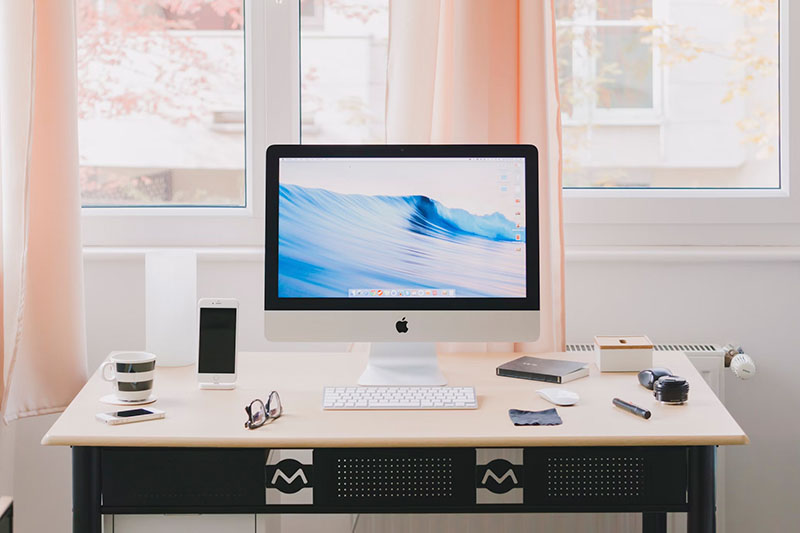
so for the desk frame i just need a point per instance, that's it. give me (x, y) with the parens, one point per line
(93, 497)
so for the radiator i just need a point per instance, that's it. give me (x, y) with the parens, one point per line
(709, 359)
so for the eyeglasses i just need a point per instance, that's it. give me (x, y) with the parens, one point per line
(258, 413)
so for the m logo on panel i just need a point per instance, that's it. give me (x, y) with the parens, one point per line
(287, 482)
(498, 475)
(498, 484)
(290, 481)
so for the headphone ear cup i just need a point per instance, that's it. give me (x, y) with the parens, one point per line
(648, 378)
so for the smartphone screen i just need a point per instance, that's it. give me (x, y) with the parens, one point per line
(217, 340)
(132, 412)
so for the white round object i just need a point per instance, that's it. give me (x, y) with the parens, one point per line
(743, 366)
(559, 396)
(112, 399)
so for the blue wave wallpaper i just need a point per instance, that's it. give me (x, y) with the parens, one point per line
(331, 244)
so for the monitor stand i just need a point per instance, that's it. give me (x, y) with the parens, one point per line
(402, 363)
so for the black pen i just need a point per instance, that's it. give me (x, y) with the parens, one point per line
(633, 409)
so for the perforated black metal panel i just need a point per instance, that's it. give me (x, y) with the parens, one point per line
(595, 477)
(626, 476)
(390, 477)
(395, 477)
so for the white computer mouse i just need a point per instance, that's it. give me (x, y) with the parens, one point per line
(559, 396)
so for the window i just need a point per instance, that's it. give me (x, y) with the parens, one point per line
(669, 93)
(670, 112)
(161, 102)
(343, 56)
(606, 64)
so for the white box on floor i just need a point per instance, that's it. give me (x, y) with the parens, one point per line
(617, 353)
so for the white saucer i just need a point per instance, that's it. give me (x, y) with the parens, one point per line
(113, 400)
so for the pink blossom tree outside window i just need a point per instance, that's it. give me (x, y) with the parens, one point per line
(161, 101)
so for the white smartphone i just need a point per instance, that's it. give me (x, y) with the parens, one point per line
(216, 346)
(130, 415)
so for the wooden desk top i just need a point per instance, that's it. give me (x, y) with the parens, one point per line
(208, 418)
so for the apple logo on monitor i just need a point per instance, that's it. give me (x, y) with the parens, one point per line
(402, 326)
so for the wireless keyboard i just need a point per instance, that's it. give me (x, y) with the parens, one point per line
(349, 398)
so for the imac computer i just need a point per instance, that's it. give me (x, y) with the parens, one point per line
(402, 246)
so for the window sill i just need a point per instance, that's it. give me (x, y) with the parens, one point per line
(573, 254)
(657, 192)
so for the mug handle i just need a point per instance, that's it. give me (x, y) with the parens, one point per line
(103, 367)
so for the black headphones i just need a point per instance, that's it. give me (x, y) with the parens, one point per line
(666, 387)
(648, 378)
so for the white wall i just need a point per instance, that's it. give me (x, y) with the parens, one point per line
(753, 302)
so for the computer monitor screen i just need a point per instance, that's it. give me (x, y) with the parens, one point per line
(403, 229)
(388, 227)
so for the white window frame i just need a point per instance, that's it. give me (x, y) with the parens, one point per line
(271, 50)
(584, 68)
(593, 217)
(703, 217)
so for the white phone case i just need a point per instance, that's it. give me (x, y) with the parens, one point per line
(113, 420)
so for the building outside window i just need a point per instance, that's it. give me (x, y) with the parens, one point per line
(669, 93)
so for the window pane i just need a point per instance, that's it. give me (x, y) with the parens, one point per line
(685, 102)
(343, 56)
(624, 68)
(565, 9)
(161, 102)
(624, 9)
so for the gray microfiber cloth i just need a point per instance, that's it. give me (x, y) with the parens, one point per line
(548, 417)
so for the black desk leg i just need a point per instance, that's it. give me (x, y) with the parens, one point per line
(701, 517)
(654, 522)
(86, 490)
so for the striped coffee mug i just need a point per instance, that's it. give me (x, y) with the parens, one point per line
(131, 373)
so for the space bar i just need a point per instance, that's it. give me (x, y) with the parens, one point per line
(413, 403)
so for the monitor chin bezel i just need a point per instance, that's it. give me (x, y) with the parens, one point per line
(422, 326)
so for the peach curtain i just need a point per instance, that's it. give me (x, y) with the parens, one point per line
(484, 71)
(44, 340)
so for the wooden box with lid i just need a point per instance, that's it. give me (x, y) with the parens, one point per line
(616, 353)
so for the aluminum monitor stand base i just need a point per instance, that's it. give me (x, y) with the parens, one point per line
(402, 363)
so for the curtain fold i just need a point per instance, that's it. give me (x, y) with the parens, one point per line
(484, 71)
(44, 341)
